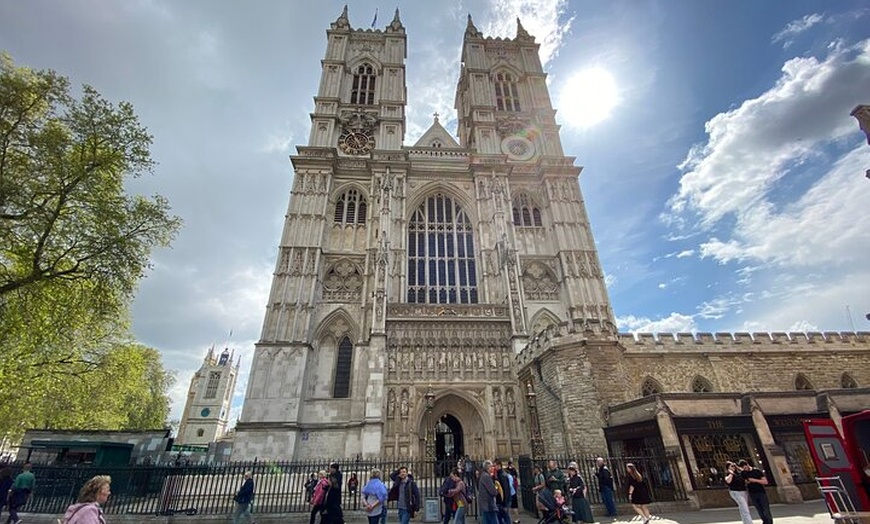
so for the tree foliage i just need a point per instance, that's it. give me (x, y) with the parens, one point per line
(73, 247)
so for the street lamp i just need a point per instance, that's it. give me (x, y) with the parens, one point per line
(534, 424)
(430, 440)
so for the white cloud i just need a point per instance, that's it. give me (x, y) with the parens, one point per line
(796, 27)
(686, 253)
(674, 323)
(662, 285)
(541, 18)
(753, 149)
(610, 280)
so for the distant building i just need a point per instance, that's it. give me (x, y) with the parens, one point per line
(98, 447)
(207, 411)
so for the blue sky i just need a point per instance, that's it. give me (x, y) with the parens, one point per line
(725, 187)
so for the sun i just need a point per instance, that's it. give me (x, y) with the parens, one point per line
(588, 97)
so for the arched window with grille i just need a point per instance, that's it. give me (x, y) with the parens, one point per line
(363, 87)
(441, 264)
(350, 208)
(200, 432)
(802, 383)
(847, 381)
(701, 385)
(507, 95)
(343, 366)
(525, 212)
(650, 387)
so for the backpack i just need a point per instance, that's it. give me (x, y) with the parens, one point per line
(499, 492)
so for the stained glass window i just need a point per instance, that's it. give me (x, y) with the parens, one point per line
(441, 265)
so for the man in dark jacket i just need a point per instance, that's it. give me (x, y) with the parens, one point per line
(243, 500)
(605, 486)
(405, 493)
(504, 505)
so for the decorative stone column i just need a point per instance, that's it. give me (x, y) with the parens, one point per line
(785, 486)
(671, 442)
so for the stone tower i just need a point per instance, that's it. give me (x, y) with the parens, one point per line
(409, 277)
(207, 410)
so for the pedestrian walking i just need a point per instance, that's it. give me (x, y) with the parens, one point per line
(88, 508)
(22, 489)
(755, 482)
(605, 486)
(374, 497)
(243, 500)
(638, 492)
(737, 490)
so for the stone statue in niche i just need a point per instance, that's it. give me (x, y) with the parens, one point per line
(391, 362)
(505, 361)
(509, 401)
(430, 361)
(391, 403)
(496, 402)
(405, 403)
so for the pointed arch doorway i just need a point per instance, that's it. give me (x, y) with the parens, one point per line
(449, 443)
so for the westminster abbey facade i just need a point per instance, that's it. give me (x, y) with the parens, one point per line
(446, 298)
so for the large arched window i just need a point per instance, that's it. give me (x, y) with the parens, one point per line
(507, 96)
(343, 364)
(441, 267)
(350, 208)
(363, 88)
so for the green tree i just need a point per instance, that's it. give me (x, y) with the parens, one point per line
(73, 247)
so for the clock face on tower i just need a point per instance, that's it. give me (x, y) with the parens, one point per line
(356, 142)
(205, 412)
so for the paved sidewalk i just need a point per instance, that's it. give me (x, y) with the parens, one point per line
(806, 513)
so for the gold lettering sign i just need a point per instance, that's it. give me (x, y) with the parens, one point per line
(715, 424)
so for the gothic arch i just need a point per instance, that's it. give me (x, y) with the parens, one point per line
(336, 324)
(701, 385)
(847, 381)
(650, 386)
(503, 66)
(462, 405)
(543, 319)
(802, 383)
(365, 58)
(432, 188)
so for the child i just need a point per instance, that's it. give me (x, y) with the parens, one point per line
(564, 509)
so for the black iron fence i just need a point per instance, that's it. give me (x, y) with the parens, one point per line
(209, 489)
(661, 473)
(280, 486)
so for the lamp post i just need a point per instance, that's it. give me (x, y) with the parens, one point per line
(430, 438)
(534, 424)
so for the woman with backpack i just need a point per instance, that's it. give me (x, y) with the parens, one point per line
(459, 495)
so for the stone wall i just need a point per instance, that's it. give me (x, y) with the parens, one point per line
(578, 374)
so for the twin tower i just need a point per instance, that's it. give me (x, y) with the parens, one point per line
(409, 277)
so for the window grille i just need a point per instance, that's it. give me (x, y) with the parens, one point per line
(507, 96)
(341, 386)
(441, 264)
(214, 379)
(363, 89)
(350, 208)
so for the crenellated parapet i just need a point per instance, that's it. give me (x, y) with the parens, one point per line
(712, 342)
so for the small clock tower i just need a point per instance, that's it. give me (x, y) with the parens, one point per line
(207, 410)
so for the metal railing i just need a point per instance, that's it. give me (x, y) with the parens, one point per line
(280, 486)
(661, 474)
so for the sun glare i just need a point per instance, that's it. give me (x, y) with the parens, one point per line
(588, 97)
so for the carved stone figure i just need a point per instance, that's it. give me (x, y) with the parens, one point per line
(510, 402)
(391, 403)
(405, 403)
(496, 402)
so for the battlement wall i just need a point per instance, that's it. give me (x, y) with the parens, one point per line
(721, 341)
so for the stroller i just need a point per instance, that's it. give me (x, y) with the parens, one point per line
(553, 513)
